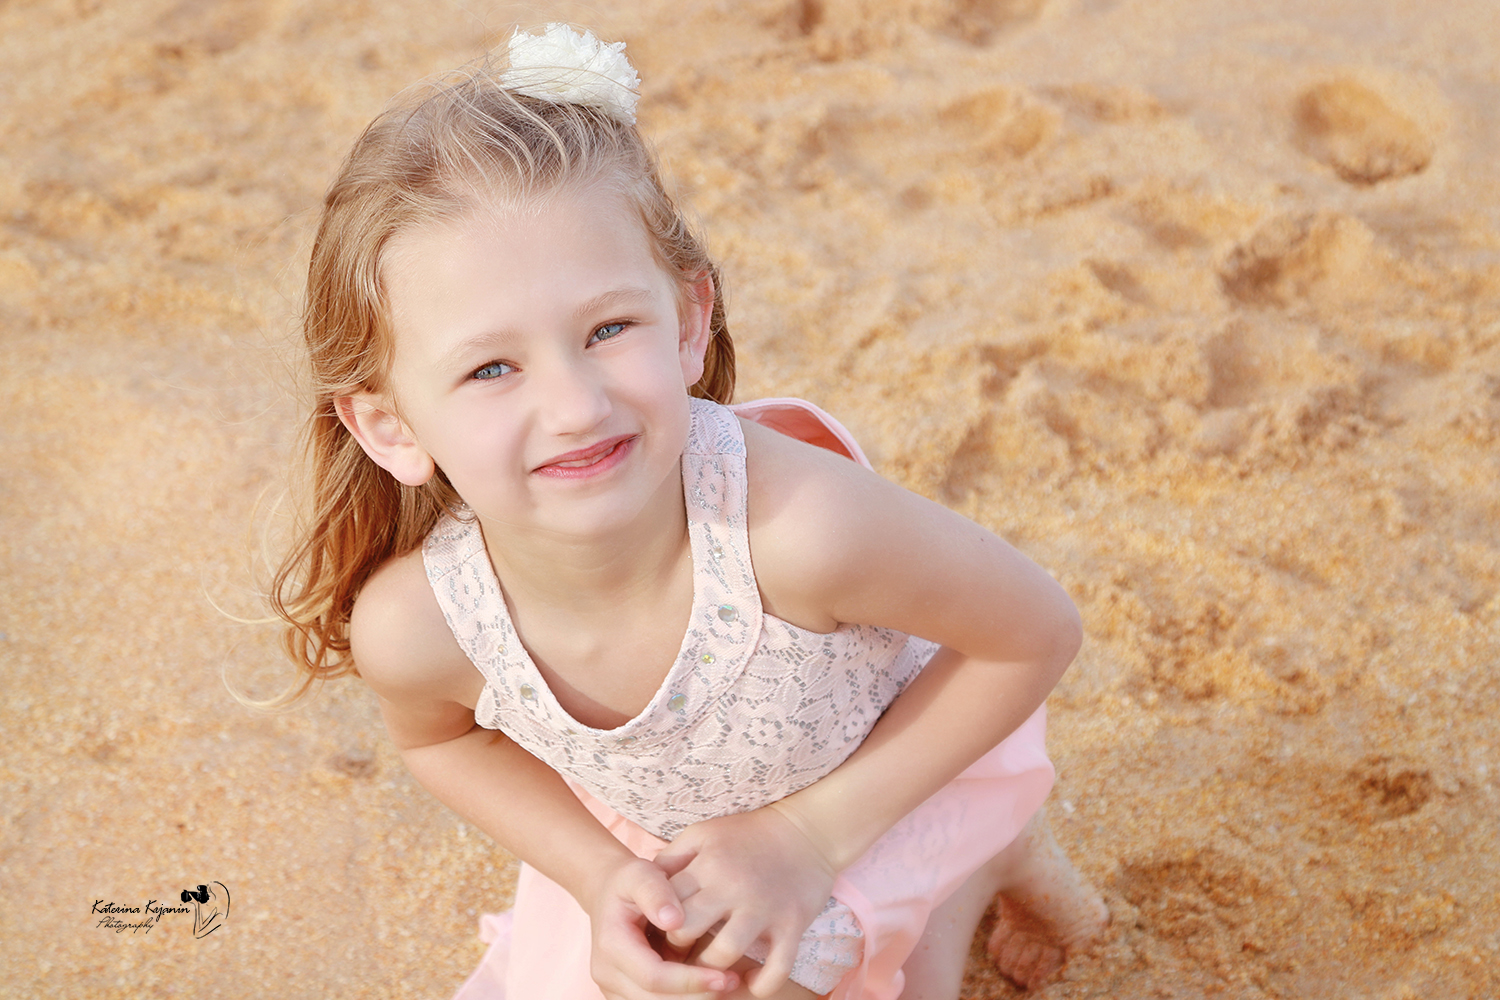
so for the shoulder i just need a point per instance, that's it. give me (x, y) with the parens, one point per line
(834, 543)
(804, 502)
(402, 645)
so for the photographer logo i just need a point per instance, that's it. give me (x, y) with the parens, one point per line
(207, 904)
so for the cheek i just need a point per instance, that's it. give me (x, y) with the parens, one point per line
(650, 371)
(463, 434)
(651, 384)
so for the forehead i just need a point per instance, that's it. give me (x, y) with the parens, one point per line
(539, 220)
(506, 266)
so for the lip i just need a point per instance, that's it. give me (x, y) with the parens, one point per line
(594, 460)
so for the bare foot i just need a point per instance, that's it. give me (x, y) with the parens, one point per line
(1024, 948)
(1046, 911)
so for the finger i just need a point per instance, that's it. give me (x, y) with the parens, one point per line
(636, 971)
(700, 920)
(730, 942)
(675, 979)
(685, 884)
(693, 981)
(673, 859)
(681, 941)
(698, 988)
(650, 893)
(699, 917)
(657, 939)
(771, 976)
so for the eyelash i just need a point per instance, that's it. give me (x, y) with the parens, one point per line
(476, 376)
(493, 364)
(623, 326)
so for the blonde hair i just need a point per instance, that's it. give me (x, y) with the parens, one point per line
(437, 153)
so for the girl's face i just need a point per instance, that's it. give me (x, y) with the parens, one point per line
(542, 360)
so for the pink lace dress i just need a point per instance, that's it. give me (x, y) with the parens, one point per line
(752, 709)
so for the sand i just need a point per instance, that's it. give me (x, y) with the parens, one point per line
(1196, 301)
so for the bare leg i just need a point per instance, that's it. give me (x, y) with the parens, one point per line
(1046, 910)
(935, 970)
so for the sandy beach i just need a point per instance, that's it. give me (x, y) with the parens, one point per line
(1195, 301)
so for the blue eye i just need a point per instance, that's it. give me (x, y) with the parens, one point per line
(493, 370)
(607, 332)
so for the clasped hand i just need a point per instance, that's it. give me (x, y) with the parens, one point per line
(737, 880)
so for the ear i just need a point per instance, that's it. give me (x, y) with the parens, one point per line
(389, 442)
(697, 329)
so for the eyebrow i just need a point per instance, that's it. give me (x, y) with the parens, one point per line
(496, 338)
(614, 296)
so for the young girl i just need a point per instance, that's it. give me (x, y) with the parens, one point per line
(661, 649)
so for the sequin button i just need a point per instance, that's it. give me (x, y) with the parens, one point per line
(727, 613)
(677, 702)
(707, 657)
(528, 693)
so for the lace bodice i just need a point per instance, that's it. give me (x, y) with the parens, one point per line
(753, 708)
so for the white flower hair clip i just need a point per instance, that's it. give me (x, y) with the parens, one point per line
(562, 65)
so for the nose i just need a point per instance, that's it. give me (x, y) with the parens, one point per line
(571, 397)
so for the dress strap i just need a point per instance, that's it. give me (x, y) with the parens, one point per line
(726, 601)
(458, 568)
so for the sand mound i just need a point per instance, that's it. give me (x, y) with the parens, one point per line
(1356, 132)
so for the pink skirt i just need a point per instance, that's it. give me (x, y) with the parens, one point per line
(539, 950)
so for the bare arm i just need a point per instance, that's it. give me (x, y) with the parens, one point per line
(840, 542)
(833, 543)
(426, 688)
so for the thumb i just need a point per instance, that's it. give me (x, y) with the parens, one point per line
(654, 896)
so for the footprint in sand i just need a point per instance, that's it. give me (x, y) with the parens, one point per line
(1383, 788)
(1379, 789)
(1109, 104)
(978, 21)
(1000, 123)
(1210, 902)
(1296, 256)
(846, 28)
(1357, 133)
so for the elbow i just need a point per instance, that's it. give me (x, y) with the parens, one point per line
(1067, 637)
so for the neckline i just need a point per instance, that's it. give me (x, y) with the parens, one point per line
(715, 647)
(533, 675)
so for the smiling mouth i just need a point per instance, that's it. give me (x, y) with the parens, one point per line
(588, 461)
